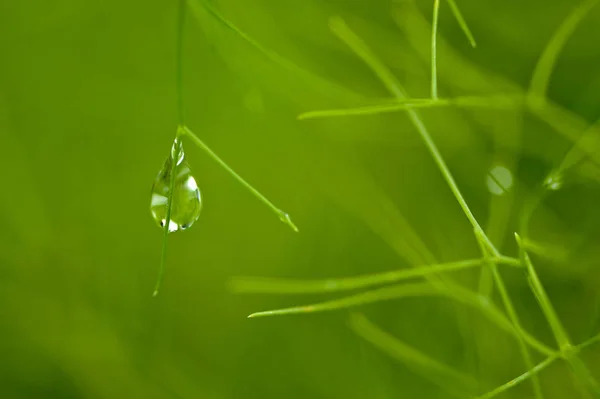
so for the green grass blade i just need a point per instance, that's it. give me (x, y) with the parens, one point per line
(283, 216)
(461, 21)
(163, 257)
(290, 286)
(577, 366)
(449, 290)
(455, 382)
(531, 373)
(198, 6)
(434, 29)
(536, 286)
(499, 102)
(589, 342)
(378, 295)
(339, 27)
(284, 286)
(512, 314)
(543, 69)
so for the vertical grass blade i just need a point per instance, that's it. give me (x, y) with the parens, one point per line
(179, 86)
(434, 29)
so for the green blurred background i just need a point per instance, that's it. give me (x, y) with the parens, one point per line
(88, 114)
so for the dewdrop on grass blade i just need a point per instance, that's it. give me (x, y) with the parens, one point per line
(554, 181)
(186, 200)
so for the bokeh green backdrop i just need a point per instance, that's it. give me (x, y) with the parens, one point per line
(88, 113)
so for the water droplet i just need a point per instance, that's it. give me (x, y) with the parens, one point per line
(187, 201)
(499, 180)
(554, 181)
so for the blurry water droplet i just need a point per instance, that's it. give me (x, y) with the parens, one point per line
(187, 201)
(499, 180)
(554, 181)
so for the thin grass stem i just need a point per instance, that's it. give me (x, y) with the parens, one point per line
(291, 286)
(512, 314)
(325, 86)
(283, 216)
(462, 23)
(577, 366)
(339, 28)
(167, 221)
(400, 105)
(180, 115)
(434, 29)
(427, 289)
(531, 373)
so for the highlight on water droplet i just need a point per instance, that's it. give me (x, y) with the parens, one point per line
(499, 180)
(554, 181)
(186, 202)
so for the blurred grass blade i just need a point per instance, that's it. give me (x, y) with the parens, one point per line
(339, 27)
(499, 101)
(531, 373)
(284, 286)
(378, 295)
(434, 29)
(290, 286)
(283, 216)
(589, 342)
(457, 383)
(512, 314)
(461, 21)
(197, 7)
(543, 69)
(449, 290)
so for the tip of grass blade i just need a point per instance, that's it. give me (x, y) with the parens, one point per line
(462, 23)
(285, 218)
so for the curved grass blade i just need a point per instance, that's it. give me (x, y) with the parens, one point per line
(461, 21)
(543, 69)
(289, 286)
(455, 382)
(284, 217)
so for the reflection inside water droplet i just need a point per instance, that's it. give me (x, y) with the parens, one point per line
(186, 201)
(554, 181)
(499, 180)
